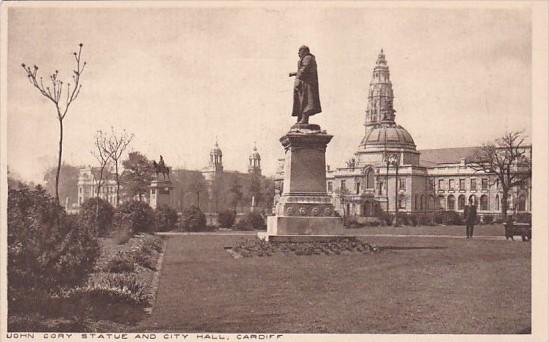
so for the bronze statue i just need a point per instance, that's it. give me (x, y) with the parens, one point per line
(161, 168)
(306, 98)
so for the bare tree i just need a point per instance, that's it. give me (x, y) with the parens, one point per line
(103, 156)
(53, 91)
(508, 159)
(115, 146)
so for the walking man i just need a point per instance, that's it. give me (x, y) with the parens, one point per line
(470, 216)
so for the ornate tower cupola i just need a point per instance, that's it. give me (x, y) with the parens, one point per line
(216, 158)
(380, 95)
(255, 162)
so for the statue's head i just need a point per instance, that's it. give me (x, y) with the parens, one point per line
(303, 51)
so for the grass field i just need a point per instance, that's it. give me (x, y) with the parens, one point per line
(480, 230)
(415, 285)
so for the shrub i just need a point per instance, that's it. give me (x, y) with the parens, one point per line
(425, 219)
(121, 235)
(523, 218)
(385, 218)
(47, 250)
(226, 218)
(165, 219)
(113, 288)
(193, 219)
(135, 216)
(448, 217)
(250, 221)
(487, 219)
(98, 214)
(154, 243)
(121, 263)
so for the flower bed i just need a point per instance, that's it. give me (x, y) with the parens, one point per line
(260, 248)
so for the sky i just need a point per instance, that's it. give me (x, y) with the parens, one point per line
(180, 78)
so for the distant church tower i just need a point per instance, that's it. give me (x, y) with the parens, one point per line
(380, 95)
(255, 163)
(216, 159)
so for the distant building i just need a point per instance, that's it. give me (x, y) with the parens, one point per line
(87, 186)
(428, 180)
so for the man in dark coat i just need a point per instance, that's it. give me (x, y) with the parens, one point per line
(470, 217)
(306, 98)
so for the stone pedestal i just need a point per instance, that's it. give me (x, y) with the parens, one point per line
(304, 208)
(161, 193)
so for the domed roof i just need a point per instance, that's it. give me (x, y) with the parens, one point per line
(392, 135)
(216, 150)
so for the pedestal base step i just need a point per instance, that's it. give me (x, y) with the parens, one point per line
(304, 225)
(265, 236)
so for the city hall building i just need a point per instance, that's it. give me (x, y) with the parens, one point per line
(387, 171)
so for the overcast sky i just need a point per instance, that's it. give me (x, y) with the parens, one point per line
(179, 77)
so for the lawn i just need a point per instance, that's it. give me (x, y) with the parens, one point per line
(414, 285)
(480, 230)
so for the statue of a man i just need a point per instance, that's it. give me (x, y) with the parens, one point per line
(306, 98)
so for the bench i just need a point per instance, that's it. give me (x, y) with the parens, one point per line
(518, 228)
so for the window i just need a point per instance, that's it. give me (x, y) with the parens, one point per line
(380, 188)
(330, 187)
(497, 183)
(441, 184)
(357, 188)
(402, 203)
(461, 202)
(497, 202)
(451, 202)
(451, 184)
(402, 183)
(462, 184)
(483, 202)
(343, 187)
(473, 184)
(441, 202)
(422, 203)
(370, 179)
(484, 184)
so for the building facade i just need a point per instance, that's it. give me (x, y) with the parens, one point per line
(87, 186)
(387, 173)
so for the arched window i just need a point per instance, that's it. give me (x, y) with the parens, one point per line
(431, 204)
(441, 201)
(522, 203)
(483, 202)
(422, 202)
(451, 202)
(461, 202)
(370, 179)
(497, 202)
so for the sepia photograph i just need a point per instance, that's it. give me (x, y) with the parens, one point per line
(258, 170)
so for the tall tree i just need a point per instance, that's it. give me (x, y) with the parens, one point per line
(67, 188)
(235, 193)
(116, 146)
(508, 159)
(103, 157)
(54, 92)
(137, 175)
(196, 185)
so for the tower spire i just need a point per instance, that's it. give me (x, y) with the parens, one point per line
(380, 95)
